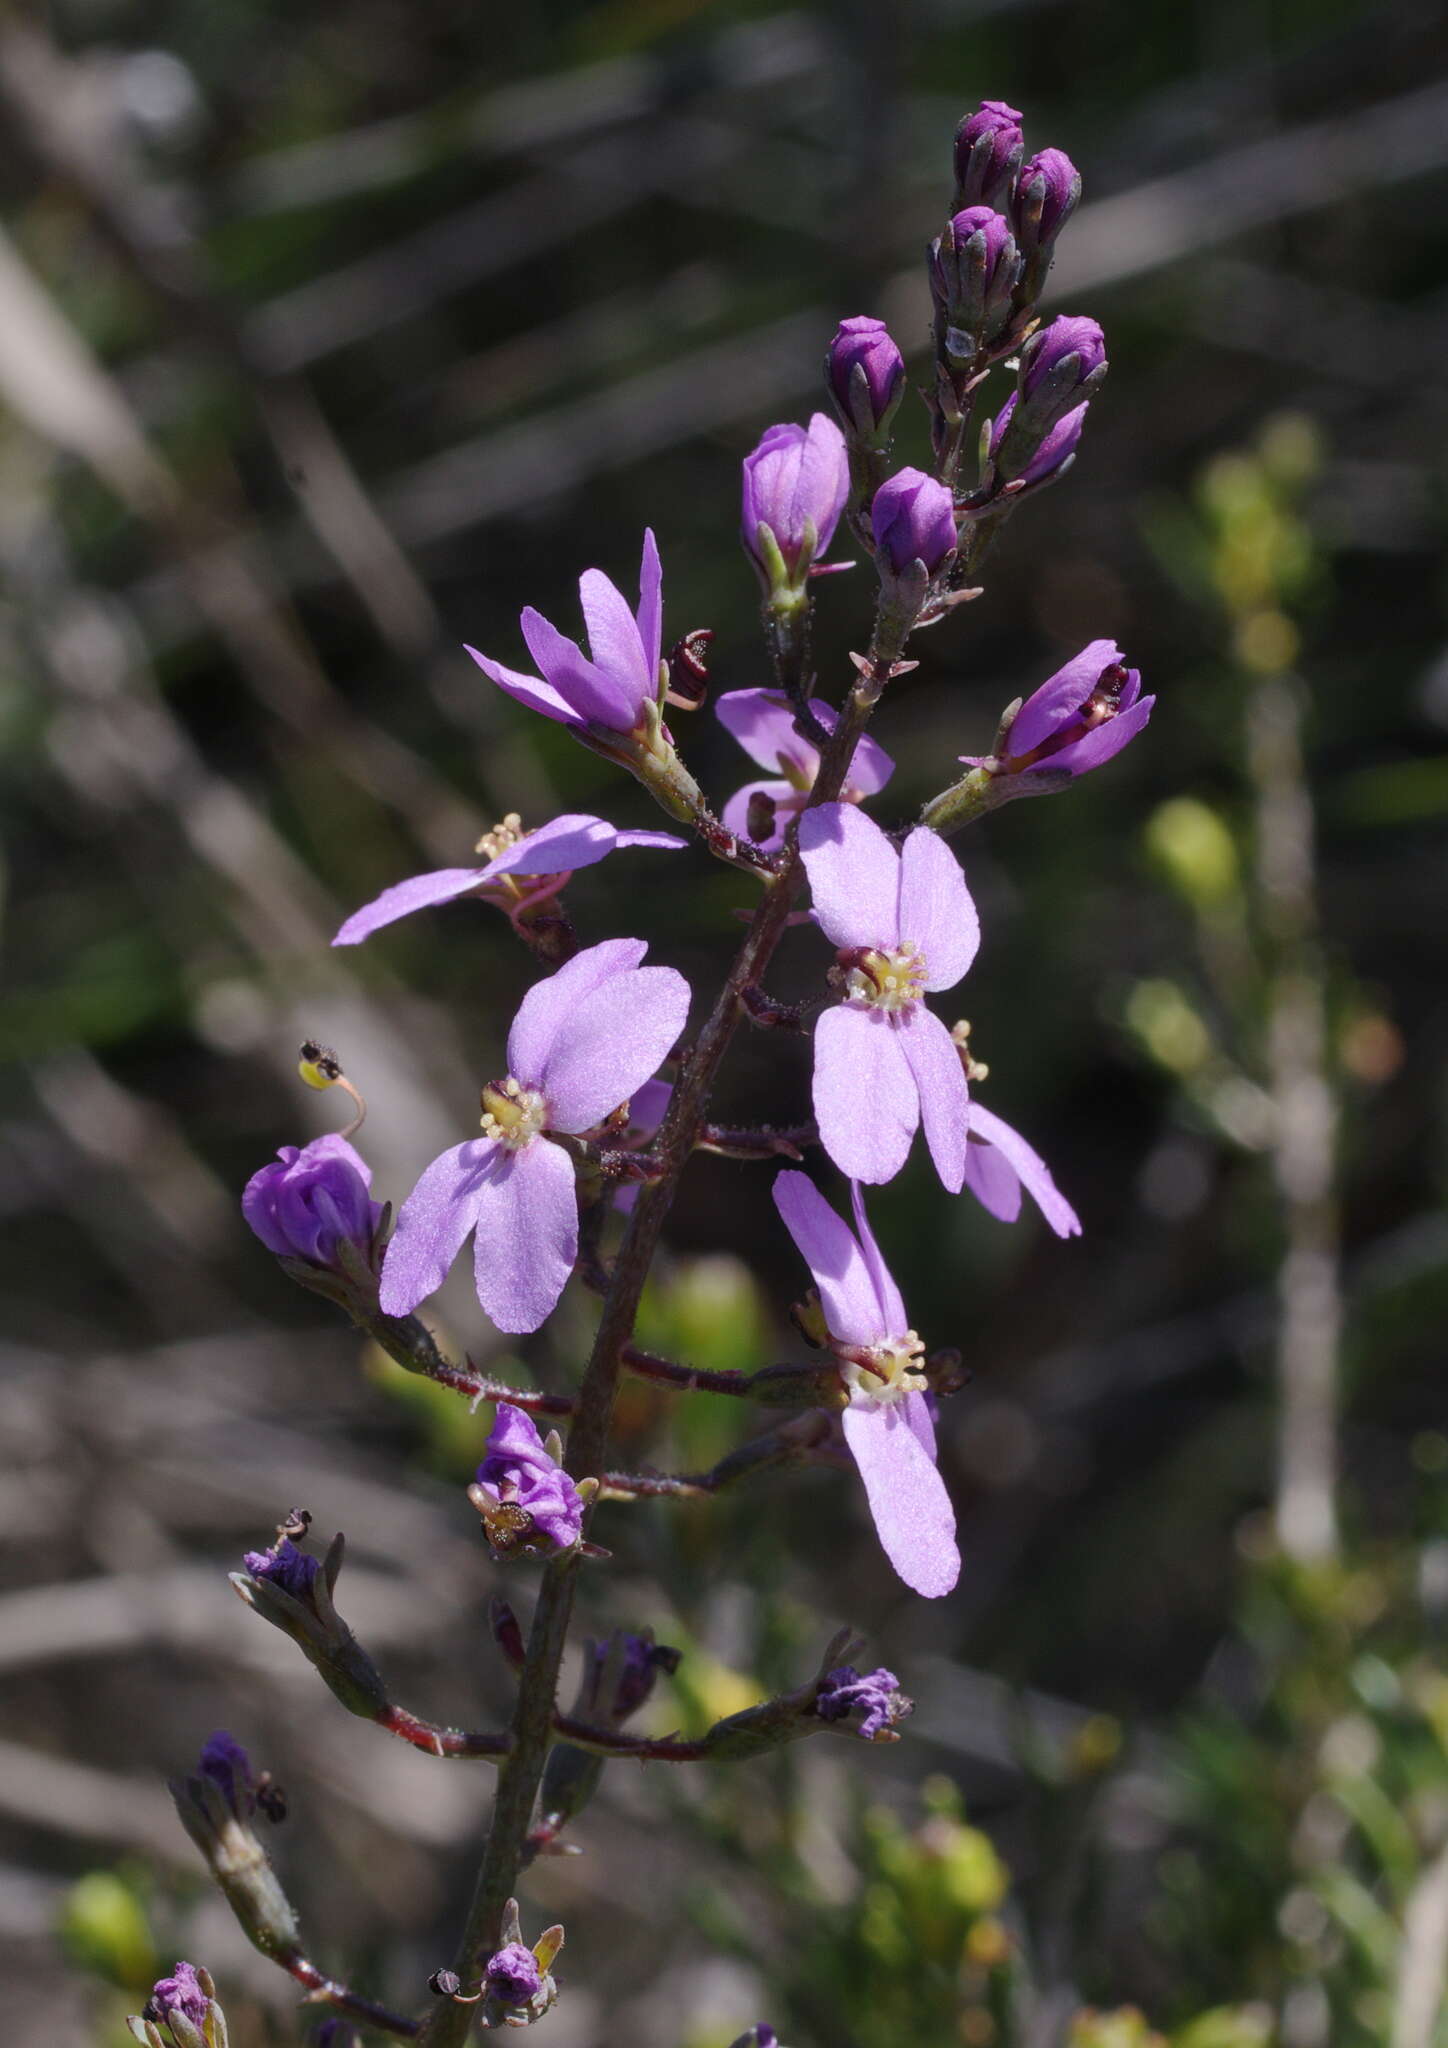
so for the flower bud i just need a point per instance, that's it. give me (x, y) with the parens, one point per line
(216, 1805)
(314, 1203)
(866, 375)
(795, 485)
(974, 270)
(913, 518)
(988, 148)
(1061, 365)
(1047, 193)
(1055, 452)
(181, 2012)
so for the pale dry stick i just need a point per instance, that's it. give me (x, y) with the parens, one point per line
(521, 1772)
(1423, 1958)
(1305, 1127)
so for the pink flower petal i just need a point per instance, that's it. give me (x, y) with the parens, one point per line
(917, 1414)
(418, 892)
(763, 724)
(580, 682)
(787, 801)
(432, 1224)
(1034, 1173)
(854, 876)
(527, 1236)
(546, 1007)
(610, 1042)
(650, 616)
(891, 1308)
(572, 841)
(872, 767)
(940, 1084)
(613, 634)
(824, 477)
(529, 690)
(1060, 697)
(936, 911)
(911, 1508)
(846, 1287)
(992, 1179)
(865, 1099)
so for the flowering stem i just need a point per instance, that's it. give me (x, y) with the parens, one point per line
(410, 1344)
(778, 1385)
(790, 1441)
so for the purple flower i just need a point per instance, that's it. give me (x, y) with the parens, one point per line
(181, 1994)
(285, 1566)
(612, 688)
(795, 484)
(884, 1063)
(988, 147)
(513, 1976)
(875, 1697)
(582, 1042)
(763, 723)
(544, 858)
(866, 375)
(887, 1424)
(999, 1163)
(227, 1765)
(1086, 713)
(1047, 193)
(1052, 453)
(913, 518)
(974, 270)
(519, 1476)
(313, 1201)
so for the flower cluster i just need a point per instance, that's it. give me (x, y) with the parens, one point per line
(602, 1096)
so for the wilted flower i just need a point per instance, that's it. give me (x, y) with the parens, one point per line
(763, 722)
(583, 1040)
(312, 1201)
(875, 1698)
(887, 1422)
(866, 375)
(988, 148)
(544, 860)
(1080, 718)
(527, 1501)
(913, 519)
(513, 1975)
(796, 482)
(227, 1765)
(181, 1993)
(884, 1063)
(518, 1987)
(284, 1565)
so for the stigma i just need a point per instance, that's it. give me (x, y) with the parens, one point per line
(878, 980)
(512, 1114)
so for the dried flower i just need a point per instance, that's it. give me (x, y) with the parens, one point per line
(763, 722)
(527, 1501)
(513, 1976)
(313, 1202)
(904, 923)
(887, 1422)
(875, 1698)
(181, 1993)
(583, 1040)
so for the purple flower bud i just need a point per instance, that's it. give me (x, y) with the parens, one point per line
(527, 1502)
(875, 1698)
(866, 375)
(1048, 192)
(1054, 451)
(1070, 352)
(181, 1994)
(974, 270)
(988, 148)
(285, 1566)
(913, 517)
(796, 482)
(513, 1976)
(227, 1765)
(313, 1201)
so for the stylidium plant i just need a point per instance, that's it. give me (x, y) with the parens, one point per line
(567, 1170)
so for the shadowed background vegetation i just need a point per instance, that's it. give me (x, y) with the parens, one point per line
(329, 337)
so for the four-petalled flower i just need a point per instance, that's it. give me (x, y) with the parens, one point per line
(583, 1040)
(884, 1064)
(763, 723)
(887, 1422)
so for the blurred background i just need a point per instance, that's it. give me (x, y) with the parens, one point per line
(329, 338)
